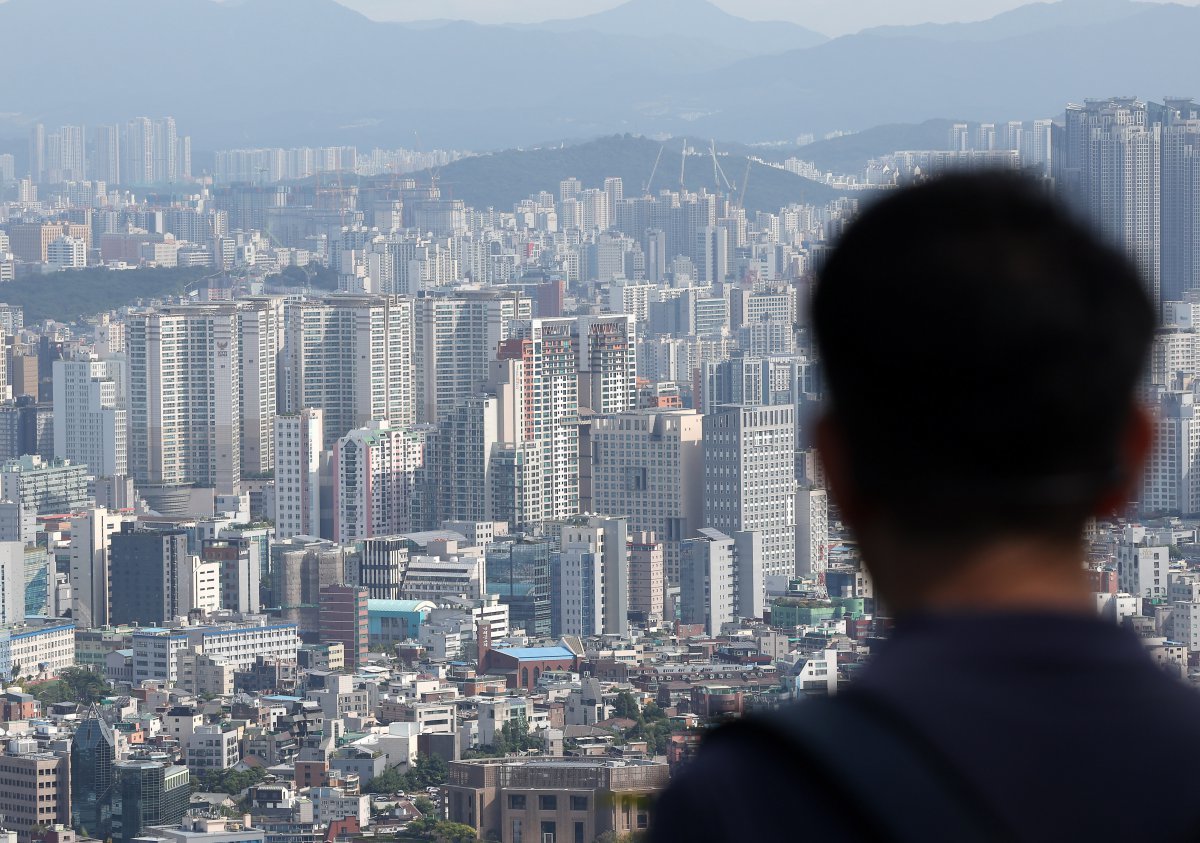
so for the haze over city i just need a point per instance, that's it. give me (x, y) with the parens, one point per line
(830, 17)
(409, 414)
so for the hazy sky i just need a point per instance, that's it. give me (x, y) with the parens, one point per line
(833, 17)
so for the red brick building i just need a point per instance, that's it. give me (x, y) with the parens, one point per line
(343, 618)
(523, 666)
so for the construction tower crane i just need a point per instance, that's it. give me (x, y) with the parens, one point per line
(718, 173)
(653, 170)
(682, 164)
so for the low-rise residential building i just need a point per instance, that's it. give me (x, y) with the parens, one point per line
(333, 803)
(212, 747)
(37, 648)
(36, 791)
(206, 828)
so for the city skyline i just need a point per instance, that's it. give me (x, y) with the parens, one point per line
(438, 431)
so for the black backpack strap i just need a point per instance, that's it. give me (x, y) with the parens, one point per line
(900, 786)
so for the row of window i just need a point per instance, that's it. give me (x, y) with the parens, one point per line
(546, 802)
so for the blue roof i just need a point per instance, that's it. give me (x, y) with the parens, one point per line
(398, 605)
(529, 654)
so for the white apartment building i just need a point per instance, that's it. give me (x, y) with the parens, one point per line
(1117, 149)
(632, 297)
(537, 380)
(648, 466)
(1142, 569)
(199, 584)
(351, 356)
(239, 644)
(1183, 593)
(208, 829)
(212, 747)
(495, 714)
(466, 618)
(158, 653)
(37, 648)
(155, 654)
(773, 302)
(812, 532)
(375, 471)
(430, 577)
(17, 523)
(185, 373)
(297, 451)
(749, 486)
(817, 674)
(45, 488)
(460, 484)
(261, 318)
(1171, 478)
(91, 542)
(333, 803)
(91, 414)
(456, 339)
(594, 576)
(1175, 354)
(12, 583)
(606, 351)
(706, 592)
(65, 252)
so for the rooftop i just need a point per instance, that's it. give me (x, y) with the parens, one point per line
(537, 653)
(399, 605)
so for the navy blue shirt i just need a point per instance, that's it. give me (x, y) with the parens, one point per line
(1062, 723)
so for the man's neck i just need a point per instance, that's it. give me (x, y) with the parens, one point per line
(1012, 575)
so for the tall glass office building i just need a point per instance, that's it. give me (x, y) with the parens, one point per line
(518, 569)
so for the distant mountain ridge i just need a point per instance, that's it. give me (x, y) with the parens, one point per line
(296, 72)
(501, 179)
(1023, 20)
(695, 20)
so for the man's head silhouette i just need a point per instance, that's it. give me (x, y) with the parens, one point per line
(981, 351)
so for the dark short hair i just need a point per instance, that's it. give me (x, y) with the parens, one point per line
(982, 350)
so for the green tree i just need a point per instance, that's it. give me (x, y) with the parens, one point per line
(389, 781)
(654, 727)
(228, 781)
(428, 771)
(85, 685)
(448, 832)
(294, 275)
(429, 827)
(73, 295)
(74, 684)
(322, 276)
(514, 736)
(652, 711)
(626, 706)
(613, 837)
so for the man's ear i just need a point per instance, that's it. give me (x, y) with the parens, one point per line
(1136, 442)
(835, 461)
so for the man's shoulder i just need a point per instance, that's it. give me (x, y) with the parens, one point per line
(747, 783)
